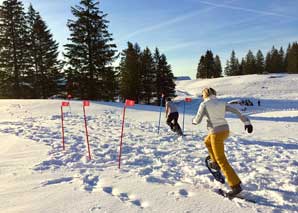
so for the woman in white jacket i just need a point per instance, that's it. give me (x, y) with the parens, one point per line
(215, 109)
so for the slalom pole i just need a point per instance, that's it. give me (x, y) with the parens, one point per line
(160, 109)
(183, 115)
(63, 104)
(62, 126)
(127, 103)
(121, 138)
(86, 103)
(188, 100)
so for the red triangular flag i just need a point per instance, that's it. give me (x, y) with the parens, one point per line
(86, 103)
(129, 102)
(188, 100)
(65, 103)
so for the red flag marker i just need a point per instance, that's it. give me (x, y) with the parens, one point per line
(188, 99)
(86, 103)
(127, 103)
(64, 103)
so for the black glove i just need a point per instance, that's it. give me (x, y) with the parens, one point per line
(248, 128)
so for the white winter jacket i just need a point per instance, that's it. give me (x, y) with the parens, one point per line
(215, 110)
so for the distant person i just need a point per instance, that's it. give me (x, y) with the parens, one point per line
(172, 116)
(215, 109)
(259, 103)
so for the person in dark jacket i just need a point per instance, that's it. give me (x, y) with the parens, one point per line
(172, 116)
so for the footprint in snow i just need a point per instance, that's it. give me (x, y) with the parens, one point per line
(124, 197)
(182, 193)
(90, 182)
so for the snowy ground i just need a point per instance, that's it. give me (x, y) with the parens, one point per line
(159, 172)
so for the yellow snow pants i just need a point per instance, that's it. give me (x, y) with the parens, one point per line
(215, 145)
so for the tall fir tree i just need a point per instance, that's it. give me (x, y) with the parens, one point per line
(207, 68)
(241, 66)
(217, 67)
(268, 64)
(292, 66)
(130, 72)
(232, 67)
(260, 62)
(281, 62)
(164, 78)
(209, 64)
(286, 58)
(13, 50)
(90, 53)
(250, 64)
(167, 83)
(201, 69)
(147, 76)
(276, 61)
(43, 51)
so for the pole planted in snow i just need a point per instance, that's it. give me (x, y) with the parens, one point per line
(127, 103)
(160, 109)
(64, 103)
(86, 103)
(185, 100)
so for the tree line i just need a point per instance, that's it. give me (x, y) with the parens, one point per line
(276, 61)
(30, 66)
(145, 76)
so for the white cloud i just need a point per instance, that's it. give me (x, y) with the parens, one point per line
(261, 12)
(170, 22)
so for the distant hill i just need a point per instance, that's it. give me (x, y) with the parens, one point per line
(182, 78)
(269, 86)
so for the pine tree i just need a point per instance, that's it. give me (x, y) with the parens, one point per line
(206, 67)
(232, 67)
(167, 83)
(281, 60)
(13, 49)
(228, 70)
(241, 66)
(43, 51)
(286, 58)
(164, 81)
(250, 64)
(260, 63)
(217, 67)
(147, 76)
(276, 61)
(130, 75)
(209, 64)
(292, 66)
(90, 52)
(268, 63)
(201, 69)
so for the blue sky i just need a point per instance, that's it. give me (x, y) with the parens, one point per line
(184, 30)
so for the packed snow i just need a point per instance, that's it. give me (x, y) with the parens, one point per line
(159, 172)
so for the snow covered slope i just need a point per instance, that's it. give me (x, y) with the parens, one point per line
(271, 86)
(160, 172)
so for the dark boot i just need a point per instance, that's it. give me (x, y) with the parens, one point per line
(235, 190)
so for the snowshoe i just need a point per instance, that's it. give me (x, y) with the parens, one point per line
(238, 195)
(214, 170)
(178, 130)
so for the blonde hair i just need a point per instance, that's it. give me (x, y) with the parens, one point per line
(208, 91)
